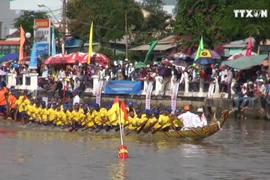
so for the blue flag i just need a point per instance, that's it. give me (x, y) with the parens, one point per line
(33, 58)
(53, 42)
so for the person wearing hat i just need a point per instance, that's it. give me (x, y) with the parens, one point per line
(76, 97)
(190, 120)
(164, 120)
(203, 121)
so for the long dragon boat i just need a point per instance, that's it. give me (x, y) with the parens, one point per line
(195, 133)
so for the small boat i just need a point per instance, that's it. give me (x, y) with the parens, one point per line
(199, 133)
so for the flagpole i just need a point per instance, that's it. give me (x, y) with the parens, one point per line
(120, 126)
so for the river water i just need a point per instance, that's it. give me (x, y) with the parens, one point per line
(240, 151)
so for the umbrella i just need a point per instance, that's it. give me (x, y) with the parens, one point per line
(11, 56)
(240, 54)
(246, 62)
(166, 62)
(75, 57)
(95, 58)
(179, 63)
(209, 54)
(139, 65)
(2, 73)
(204, 61)
(56, 59)
(178, 56)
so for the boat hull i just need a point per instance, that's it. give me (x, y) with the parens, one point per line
(195, 134)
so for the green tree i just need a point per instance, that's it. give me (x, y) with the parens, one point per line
(240, 28)
(108, 17)
(154, 25)
(26, 20)
(196, 18)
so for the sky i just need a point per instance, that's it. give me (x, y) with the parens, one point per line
(32, 4)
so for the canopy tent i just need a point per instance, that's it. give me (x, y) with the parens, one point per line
(240, 54)
(96, 58)
(75, 57)
(246, 62)
(11, 56)
(56, 59)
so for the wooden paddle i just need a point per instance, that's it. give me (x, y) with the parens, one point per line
(118, 128)
(142, 126)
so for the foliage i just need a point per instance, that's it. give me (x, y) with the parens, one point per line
(155, 25)
(196, 18)
(243, 27)
(108, 17)
(216, 22)
(26, 19)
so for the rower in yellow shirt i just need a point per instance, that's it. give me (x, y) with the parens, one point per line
(44, 114)
(131, 120)
(75, 116)
(69, 115)
(38, 112)
(51, 114)
(164, 119)
(97, 114)
(153, 121)
(30, 110)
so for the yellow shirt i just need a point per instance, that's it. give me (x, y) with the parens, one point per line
(97, 117)
(52, 114)
(30, 111)
(89, 120)
(75, 115)
(44, 115)
(25, 103)
(38, 113)
(132, 122)
(68, 116)
(19, 103)
(164, 121)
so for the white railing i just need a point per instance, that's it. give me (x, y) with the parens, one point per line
(158, 90)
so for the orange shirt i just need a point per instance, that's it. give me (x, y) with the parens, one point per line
(3, 100)
(12, 101)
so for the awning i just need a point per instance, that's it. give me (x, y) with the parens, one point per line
(246, 62)
(159, 47)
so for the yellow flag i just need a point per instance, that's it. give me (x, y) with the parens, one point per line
(90, 51)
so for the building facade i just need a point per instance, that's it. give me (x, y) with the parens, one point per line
(7, 17)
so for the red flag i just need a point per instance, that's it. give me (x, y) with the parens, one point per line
(124, 110)
(249, 47)
(22, 40)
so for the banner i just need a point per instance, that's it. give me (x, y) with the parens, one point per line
(148, 94)
(34, 57)
(123, 87)
(53, 43)
(98, 92)
(44, 31)
(174, 96)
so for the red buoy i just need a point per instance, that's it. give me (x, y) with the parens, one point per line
(122, 152)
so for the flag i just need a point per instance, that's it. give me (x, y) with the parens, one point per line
(114, 111)
(53, 42)
(124, 114)
(249, 47)
(90, 51)
(22, 40)
(152, 47)
(33, 58)
(200, 49)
